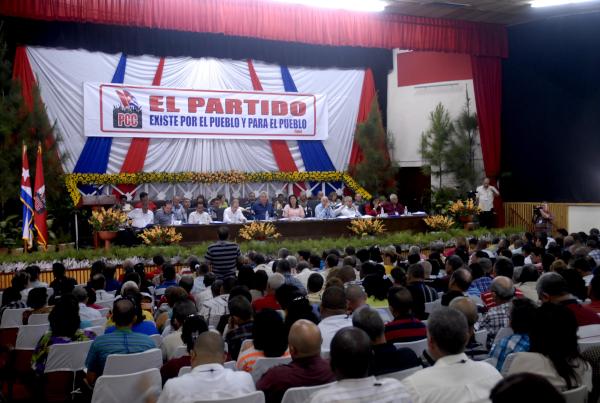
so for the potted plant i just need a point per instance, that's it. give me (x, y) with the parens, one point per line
(259, 231)
(160, 236)
(465, 212)
(439, 222)
(106, 222)
(9, 232)
(365, 227)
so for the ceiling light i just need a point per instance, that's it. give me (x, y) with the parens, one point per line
(550, 3)
(353, 5)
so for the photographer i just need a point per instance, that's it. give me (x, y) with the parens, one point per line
(485, 198)
(542, 219)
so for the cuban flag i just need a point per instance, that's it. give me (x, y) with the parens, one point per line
(27, 200)
(128, 100)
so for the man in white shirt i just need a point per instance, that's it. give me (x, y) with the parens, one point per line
(350, 359)
(170, 344)
(200, 216)
(454, 377)
(304, 272)
(209, 380)
(213, 309)
(485, 199)
(333, 314)
(98, 283)
(347, 209)
(234, 214)
(141, 217)
(179, 212)
(85, 312)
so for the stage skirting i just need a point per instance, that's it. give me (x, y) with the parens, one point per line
(303, 229)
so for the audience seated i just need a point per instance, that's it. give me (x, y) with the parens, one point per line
(269, 301)
(454, 377)
(98, 283)
(467, 307)
(552, 287)
(240, 324)
(64, 328)
(36, 300)
(525, 387)
(376, 286)
(283, 267)
(405, 327)
(193, 326)
(386, 357)
(497, 317)
(333, 314)
(268, 340)
(208, 379)
(315, 288)
(482, 283)
(181, 311)
(214, 308)
(594, 305)
(34, 277)
(527, 282)
(61, 283)
(350, 361)
(122, 341)
(459, 283)
(420, 292)
(554, 353)
(86, 313)
(356, 298)
(11, 299)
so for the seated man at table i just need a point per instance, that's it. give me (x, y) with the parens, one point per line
(323, 210)
(164, 216)
(348, 209)
(234, 214)
(262, 208)
(179, 213)
(142, 216)
(200, 216)
(393, 208)
(144, 198)
(359, 203)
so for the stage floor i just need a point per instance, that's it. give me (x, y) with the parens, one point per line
(303, 229)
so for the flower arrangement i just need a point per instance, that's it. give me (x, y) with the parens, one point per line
(439, 222)
(460, 208)
(107, 220)
(259, 231)
(365, 227)
(231, 177)
(160, 236)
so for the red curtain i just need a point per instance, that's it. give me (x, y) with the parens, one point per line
(276, 21)
(367, 95)
(487, 80)
(23, 73)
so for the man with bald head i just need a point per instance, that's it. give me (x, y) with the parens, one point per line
(323, 210)
(356, 298)
(307, 367)
(466, 305)
(209, 379)
(503, 291)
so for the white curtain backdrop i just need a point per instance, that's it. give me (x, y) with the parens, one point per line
(61, 73)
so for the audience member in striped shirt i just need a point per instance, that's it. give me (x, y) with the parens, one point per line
(350, 359)
(405, 327)
(223, 255)
(421, 293)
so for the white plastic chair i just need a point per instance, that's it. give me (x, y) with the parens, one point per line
(180, 352)
(385, 314)
(130, 388)
(302, 394)
(37, 319)
(481, 337)
(325, 354)
(507, 363)
(108, 303)
(157, 339)
(586, 344)
(263, 364)
(577, 395)
(431, 306)
(98, 322)
(417, 346)
(230, 365)
(588, 331)
(12, 317)
(29, 335)
(254, 397)
(184, 370)
(502, 333)
(121, 364)
(67, 357)
(400, 375)
(97, 330)
(245, 344)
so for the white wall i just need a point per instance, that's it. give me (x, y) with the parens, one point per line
(408, 110)
(583, 218)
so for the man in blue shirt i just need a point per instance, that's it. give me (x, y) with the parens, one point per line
(324, 210)
(169, 276)
(262, 208)
(121, 341)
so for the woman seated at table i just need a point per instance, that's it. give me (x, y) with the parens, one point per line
(375, 207)
(234, 214)
(200, 216)
(348, 209)
(292, 209)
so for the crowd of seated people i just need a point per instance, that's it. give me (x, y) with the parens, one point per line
(338, 318)
(237, 210)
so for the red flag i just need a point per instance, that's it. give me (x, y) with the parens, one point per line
(39, 202)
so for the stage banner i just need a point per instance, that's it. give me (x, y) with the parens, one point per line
(115, 110)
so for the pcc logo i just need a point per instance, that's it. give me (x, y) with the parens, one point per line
(127, 115)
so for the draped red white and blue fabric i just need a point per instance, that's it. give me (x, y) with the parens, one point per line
(61, 73)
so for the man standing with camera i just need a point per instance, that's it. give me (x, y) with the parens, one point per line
(485, 199)
(542, 219)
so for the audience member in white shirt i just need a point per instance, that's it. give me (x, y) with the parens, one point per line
(333, 314)
(348, 209)
(98, 284)
(350, 359)
(209, 380)
(170, 344)
(141, 217)
(34, 277)
(85, 312)
(233, 214)
(200, 216)
(454, 377)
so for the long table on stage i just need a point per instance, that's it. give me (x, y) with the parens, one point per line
(301, 229)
